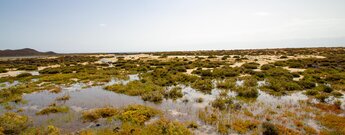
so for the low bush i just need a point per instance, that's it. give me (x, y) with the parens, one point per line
(221, 103)
(95, 114)
(27, 67)
(307, 84)
(336, 93)
(166, 127)
(322, 97)
(174, 93)
(267, 66)
(153, 96)
(311, 92)
(203, 85)
(226, 84)
(147, 90)
(137, 114)
(251, 65)
(248, 93)
(53, 109)
(12, 123)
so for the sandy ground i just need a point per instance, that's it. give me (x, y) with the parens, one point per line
(15, 73)
(51, 66)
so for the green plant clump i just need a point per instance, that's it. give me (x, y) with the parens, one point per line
(137, 114)
(12, 123)
(95, 114)
(203, 85)
(174, 93)
(53, 109)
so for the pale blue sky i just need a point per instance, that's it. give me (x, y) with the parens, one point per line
(169, 25)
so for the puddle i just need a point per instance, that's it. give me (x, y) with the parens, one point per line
(82, 98)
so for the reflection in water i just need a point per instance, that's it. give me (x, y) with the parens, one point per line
(82, 98)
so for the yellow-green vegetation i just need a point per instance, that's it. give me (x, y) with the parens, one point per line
(286, 72)
(247, 92)
(203, 85)
(49, 130)
(208, 117)
(166, 127)
(174, 93)
(12, 123)
(53, 109)
(148, 91)
(94, 114)
(14, 93)
(251, 65)
(223, 127)
(160, 127)
(222, 103)
(229, 83)
(137, 114)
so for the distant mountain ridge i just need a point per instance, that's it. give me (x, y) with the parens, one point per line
(23, 52)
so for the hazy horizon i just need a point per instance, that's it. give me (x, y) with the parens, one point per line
(86, 26)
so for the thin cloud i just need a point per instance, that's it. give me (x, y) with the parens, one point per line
(262, 13)
(102, 25)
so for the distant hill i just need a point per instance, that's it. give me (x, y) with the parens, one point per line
(23, 52)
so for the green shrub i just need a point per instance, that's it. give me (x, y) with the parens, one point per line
(221, 103)
(250, 82)
(148, 90)
(137, 114)
(322, 97)
(94, 114)
(336, 93)
(311, 92)
(292, 86)
(53, 109)
(50, 71)
(307, 84)
(12, 123)
(267, 66)
(165, 127)
(203, 85)
(27, 67)
(226, 84)
(174, 93)
(153, 96)
(324, 88)
(251, 65)
(248, 93)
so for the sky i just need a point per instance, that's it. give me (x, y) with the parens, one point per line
(76, 26)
